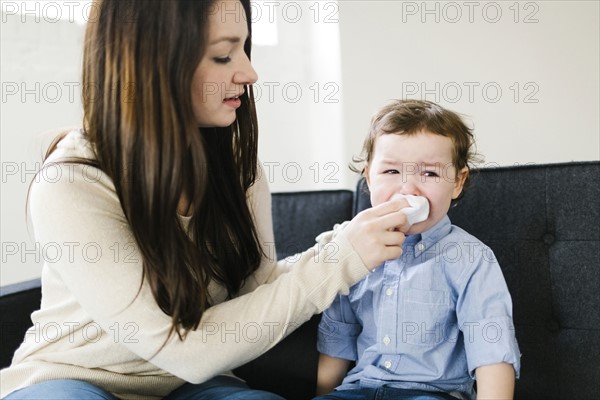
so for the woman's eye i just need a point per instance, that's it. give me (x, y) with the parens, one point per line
(222, 60)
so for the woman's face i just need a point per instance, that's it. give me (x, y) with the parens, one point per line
(224, 69)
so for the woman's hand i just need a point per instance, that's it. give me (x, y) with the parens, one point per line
(376, 233)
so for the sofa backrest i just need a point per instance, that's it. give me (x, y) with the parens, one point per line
(298, 217)
(547, 240)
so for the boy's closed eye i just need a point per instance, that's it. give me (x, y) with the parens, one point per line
(431, 174)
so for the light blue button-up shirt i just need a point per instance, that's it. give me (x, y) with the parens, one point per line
(426, 320)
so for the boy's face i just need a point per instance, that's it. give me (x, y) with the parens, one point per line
(418, 164)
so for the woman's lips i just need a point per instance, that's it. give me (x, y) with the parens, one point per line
(233, 102)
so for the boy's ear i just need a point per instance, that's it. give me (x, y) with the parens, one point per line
(365, 174)
(459, 183)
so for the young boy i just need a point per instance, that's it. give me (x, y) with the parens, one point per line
(422, 326)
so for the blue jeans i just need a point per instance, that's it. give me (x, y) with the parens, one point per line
(220, 387)
(383, 393)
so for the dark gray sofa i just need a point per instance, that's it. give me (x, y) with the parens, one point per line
(543, 223)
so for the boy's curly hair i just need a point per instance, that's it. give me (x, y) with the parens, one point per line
(409, 117)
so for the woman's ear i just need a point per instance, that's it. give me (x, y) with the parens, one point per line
(459, 182)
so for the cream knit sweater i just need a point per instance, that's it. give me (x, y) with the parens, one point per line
(96, 323)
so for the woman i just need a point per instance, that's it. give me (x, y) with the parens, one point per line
(163, 223)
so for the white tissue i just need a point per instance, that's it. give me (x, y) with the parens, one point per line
(418, 210)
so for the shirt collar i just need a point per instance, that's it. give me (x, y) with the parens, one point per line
(419, 243)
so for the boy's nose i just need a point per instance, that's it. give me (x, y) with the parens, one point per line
(408, 186)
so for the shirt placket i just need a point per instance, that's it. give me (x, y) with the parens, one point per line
(388, 317)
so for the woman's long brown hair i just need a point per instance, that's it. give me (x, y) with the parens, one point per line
(139, 59)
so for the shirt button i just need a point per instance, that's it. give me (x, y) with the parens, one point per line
(387, 364)
(420, 247)
(386, 340)
(389, 291)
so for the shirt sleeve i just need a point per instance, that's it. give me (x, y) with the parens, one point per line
(81, 210)
(484, 312)
(339, 330)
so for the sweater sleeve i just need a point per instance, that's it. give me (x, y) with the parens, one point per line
(78, 216)
(259, 200)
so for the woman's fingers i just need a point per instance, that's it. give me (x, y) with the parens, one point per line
(376, 233)
(388, 207)
(390, 213)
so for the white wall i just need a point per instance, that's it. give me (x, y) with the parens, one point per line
(526, 75)
(40, 91)
(527, 79)
(387, 49)
(300, 98)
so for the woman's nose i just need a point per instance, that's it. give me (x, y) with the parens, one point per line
(246, 75)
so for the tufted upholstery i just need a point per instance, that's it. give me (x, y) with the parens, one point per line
(543, 223)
